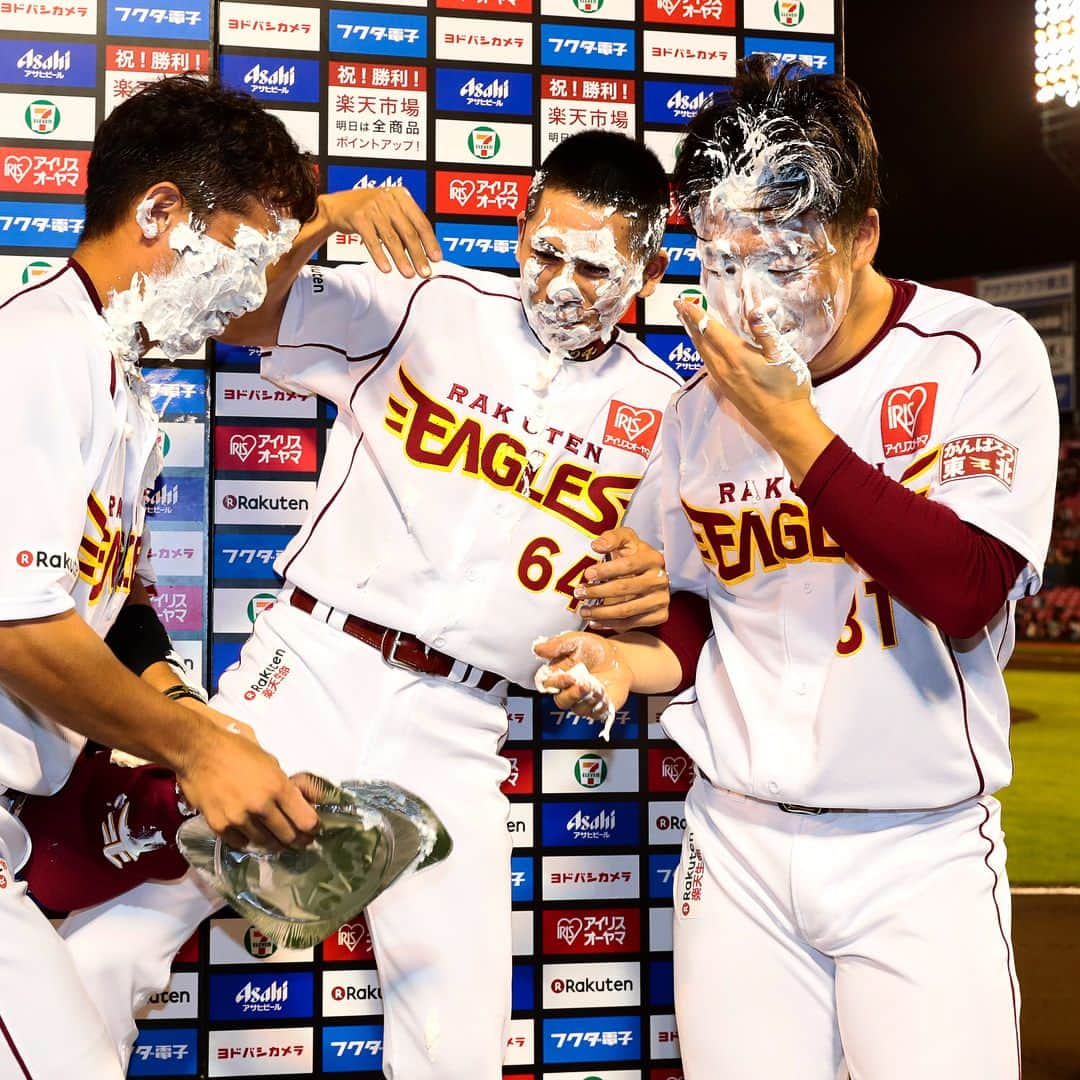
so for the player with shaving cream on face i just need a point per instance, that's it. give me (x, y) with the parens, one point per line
(181, 223)
(841, 905)
(489, 436)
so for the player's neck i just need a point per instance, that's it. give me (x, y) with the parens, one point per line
(871, 299)
(107, 264)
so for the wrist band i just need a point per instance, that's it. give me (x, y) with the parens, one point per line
(176, 662)
(175, 693)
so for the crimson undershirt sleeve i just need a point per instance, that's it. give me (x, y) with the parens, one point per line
(688, 625)
(935, 563)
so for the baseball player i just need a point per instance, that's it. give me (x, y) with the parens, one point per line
(84, 457)
(489, 436)
(860, 483)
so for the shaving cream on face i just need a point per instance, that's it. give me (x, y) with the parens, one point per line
(787, 273)
(575, 282)
(209, 284)
(561, 315)
(784, 354)
(758, 217)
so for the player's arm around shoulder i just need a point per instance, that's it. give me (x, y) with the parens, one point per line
(393, 228)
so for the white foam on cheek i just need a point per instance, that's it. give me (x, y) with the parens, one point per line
(783, 352)
(740, 261)
(565, 322)
(530, 275)
(209, 284)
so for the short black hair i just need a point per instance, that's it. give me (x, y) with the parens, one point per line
(220, 147)
(831, 165)
(608, 169)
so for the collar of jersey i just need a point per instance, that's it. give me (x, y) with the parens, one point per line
(903, 294)
(88, 285)
(579, 356)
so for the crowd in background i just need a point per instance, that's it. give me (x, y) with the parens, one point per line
(1054, 614)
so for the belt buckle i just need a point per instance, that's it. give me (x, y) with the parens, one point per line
(794, 808)
(389, 653)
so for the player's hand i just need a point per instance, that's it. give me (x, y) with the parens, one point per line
(600, 656)
(241, 790)
(762, 382)
(628, 588)
(388, 221)
(756, 380)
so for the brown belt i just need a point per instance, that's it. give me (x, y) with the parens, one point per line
(403, 650)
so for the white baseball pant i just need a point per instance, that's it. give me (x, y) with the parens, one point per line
(442, 938)
(49, 1028)
(875, 944)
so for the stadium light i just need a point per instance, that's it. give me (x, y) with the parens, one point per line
(1057, 51)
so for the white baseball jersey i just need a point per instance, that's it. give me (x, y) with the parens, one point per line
(818, 688)
(455, 502)
(84, 445)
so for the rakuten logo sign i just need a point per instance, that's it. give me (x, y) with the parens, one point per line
(587, 986)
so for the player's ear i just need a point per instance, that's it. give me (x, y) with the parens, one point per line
(158, 209)
(867, 237)
(521, 225)
(654, 271)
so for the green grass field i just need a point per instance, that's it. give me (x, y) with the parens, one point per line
(1042, 805)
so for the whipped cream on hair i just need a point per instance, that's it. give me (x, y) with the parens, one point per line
(777, 169)
(759, 214)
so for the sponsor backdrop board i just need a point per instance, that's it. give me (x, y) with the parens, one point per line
(458, 100)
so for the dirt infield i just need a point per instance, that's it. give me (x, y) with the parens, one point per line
(1046, 934)
(1045, 656)
(1046, 931)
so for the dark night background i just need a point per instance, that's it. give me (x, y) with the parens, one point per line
(968, 186)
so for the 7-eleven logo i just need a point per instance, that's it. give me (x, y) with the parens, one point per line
(789, 12)
(484, 142)
(259, 603)
(693, 295)
(590, 770)
(42, 117)
(35, 270)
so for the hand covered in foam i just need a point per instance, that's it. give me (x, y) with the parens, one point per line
(585, 673)
(756, 379)
(777, 351)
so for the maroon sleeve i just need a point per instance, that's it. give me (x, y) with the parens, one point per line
(932, 561)
(688, 626)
